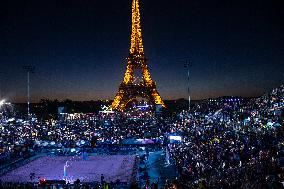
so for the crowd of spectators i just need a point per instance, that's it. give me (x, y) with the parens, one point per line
(18, 136)
(235, 147)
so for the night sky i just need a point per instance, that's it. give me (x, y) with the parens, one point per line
(79, 47)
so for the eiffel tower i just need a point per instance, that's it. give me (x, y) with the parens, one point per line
(130, 88)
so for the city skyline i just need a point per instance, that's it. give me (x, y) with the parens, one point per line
(79, 48)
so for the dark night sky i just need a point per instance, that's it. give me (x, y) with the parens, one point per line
(79, 47)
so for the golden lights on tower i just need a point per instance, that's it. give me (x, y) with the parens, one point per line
(128, 76)
(136, 34)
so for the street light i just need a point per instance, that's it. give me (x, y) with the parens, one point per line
(29, 69)
(187, 65)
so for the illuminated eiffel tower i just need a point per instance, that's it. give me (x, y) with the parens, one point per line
(130, 89)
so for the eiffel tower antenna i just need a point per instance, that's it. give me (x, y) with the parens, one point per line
(128, 89)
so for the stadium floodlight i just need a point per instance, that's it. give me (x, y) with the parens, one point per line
(2, 102)
(29, 69)
(187, 66)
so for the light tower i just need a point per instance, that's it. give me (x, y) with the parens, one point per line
(29, 69)
(187, 66)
